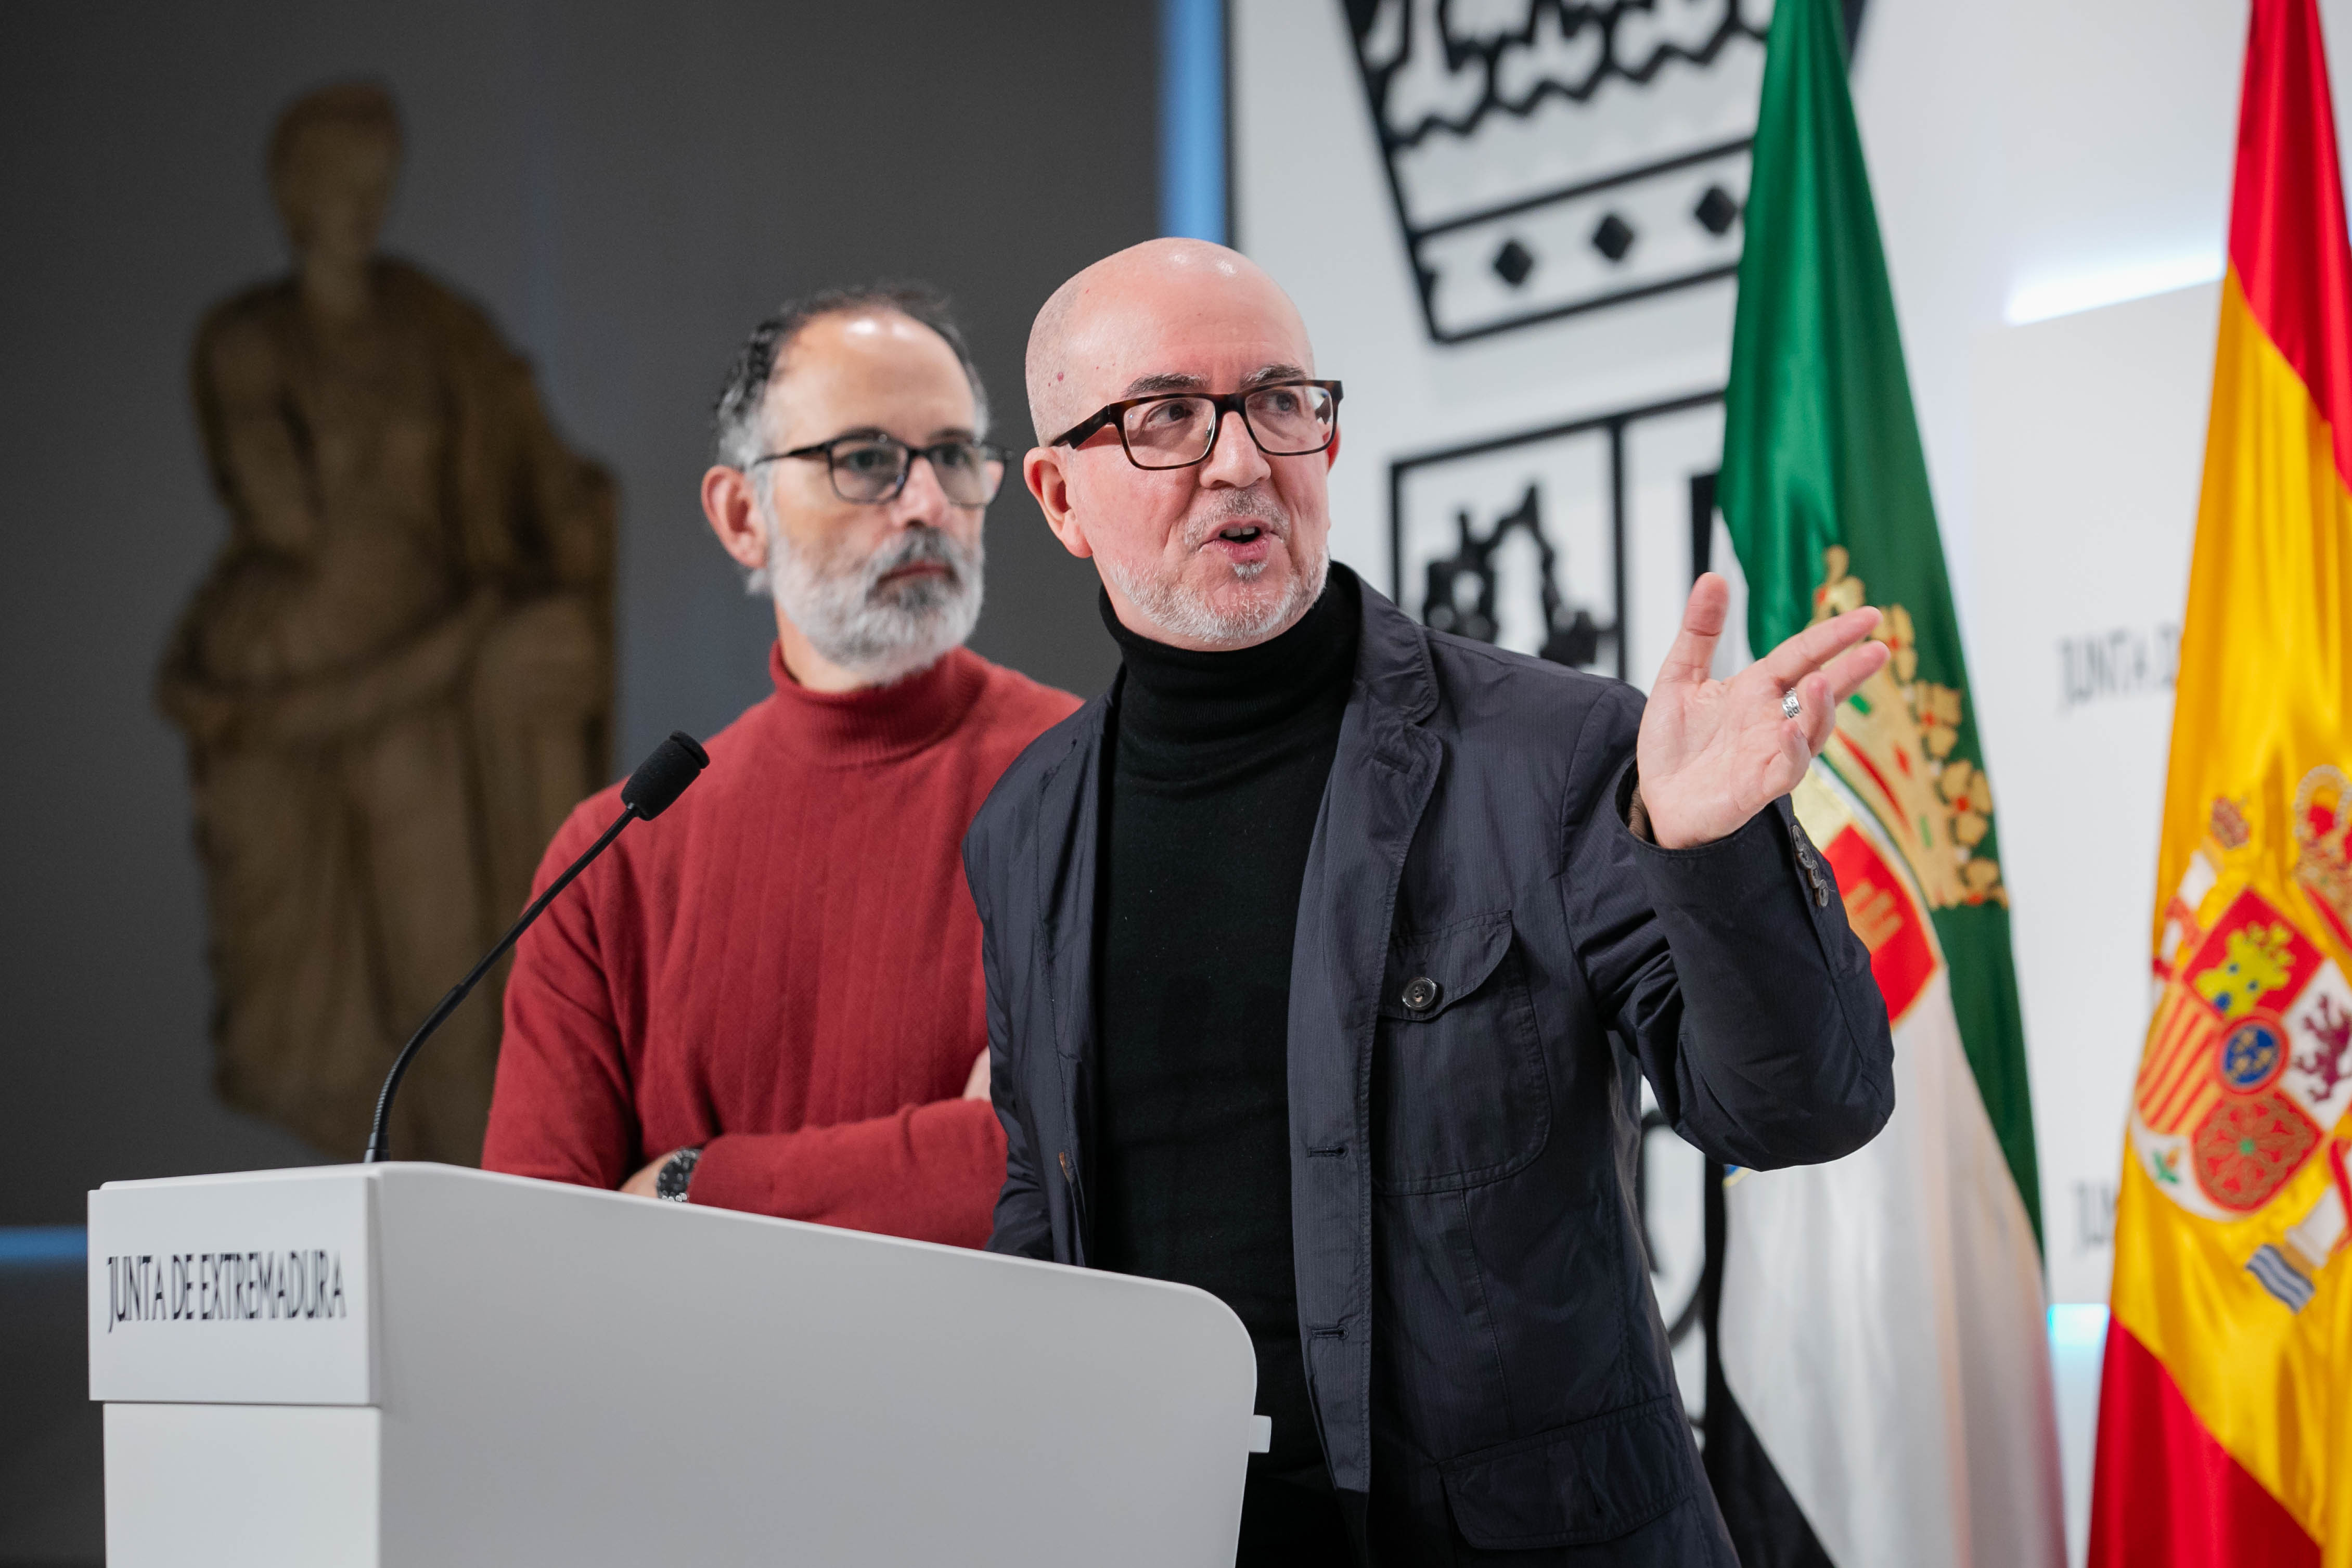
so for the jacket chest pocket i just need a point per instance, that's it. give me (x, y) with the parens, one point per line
(1460, 1094)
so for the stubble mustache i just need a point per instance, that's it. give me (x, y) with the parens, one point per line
(1240, 506)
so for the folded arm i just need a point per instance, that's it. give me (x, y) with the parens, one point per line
(564, 1109)
(563, 1112)
(929, 1171)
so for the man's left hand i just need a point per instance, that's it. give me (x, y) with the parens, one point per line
(1712, 753)
(641, 1183)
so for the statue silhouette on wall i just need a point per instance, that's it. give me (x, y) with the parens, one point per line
(397, 676)
(1458, 592)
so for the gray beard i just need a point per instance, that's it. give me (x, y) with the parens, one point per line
(879, 633)
(1182, 612)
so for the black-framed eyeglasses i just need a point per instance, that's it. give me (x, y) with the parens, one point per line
(1177, 429)
(871, 468)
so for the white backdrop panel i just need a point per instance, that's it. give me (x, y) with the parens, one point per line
(2090, 438)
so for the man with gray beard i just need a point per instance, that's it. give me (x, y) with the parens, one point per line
(770, 999)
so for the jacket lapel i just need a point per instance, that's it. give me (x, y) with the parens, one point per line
(1069, 845)
(1383, 777)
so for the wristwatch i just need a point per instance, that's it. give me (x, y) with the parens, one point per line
(677, 1175)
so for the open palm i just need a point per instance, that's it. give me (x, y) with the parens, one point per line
(1712, 753)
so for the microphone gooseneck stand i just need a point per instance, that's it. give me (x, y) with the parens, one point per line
(659, 780)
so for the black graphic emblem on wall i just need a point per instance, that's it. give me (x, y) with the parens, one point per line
(1539, 541)
(1460, 591)
(1551, 156)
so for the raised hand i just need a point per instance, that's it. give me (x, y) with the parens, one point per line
(1712, 753)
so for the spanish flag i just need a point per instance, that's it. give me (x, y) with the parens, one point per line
(2225, 1412)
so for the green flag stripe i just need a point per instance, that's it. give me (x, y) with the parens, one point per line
(1821, 446)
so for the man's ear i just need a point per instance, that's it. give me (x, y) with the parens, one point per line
(1331, 452)
(1043, 472)
(727, 502)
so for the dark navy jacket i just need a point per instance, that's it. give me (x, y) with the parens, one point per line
(1483, 1352)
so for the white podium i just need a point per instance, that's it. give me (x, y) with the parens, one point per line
(408, 1364)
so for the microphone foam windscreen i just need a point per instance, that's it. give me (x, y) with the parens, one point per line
(663, 777)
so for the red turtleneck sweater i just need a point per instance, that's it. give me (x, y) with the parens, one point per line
(783, 967)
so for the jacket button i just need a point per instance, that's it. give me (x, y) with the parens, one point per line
(1421, 994)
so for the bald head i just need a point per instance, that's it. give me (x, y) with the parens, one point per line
(1228, 545)
(1099, 338)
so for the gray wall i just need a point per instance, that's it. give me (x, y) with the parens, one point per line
(627, 187)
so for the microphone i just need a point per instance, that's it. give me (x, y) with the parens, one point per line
(659, 780)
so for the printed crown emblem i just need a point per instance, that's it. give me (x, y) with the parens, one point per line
(2231, 830)
(1549, 156)
(2323, 861)
(1893, 747)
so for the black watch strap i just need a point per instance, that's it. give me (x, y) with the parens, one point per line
(670, 1183)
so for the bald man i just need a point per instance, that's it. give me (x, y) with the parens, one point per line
(1324, 951)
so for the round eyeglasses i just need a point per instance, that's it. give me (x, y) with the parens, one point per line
(1176, 430)
(871, 468)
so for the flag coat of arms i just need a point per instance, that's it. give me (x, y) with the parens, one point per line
(2225, 1405)
(1881, 1387)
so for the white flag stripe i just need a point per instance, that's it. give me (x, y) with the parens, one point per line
(1883, 1331)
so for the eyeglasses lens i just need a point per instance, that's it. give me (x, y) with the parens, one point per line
(1284, 421)
(1289, 421)
(876, 470)
(868, 470)
(965, 473)
(1170, 432)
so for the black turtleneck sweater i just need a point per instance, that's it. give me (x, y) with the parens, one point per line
(1218, 764)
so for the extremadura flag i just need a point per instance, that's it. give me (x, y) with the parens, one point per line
(1880, 1391)
(2225, 1408)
